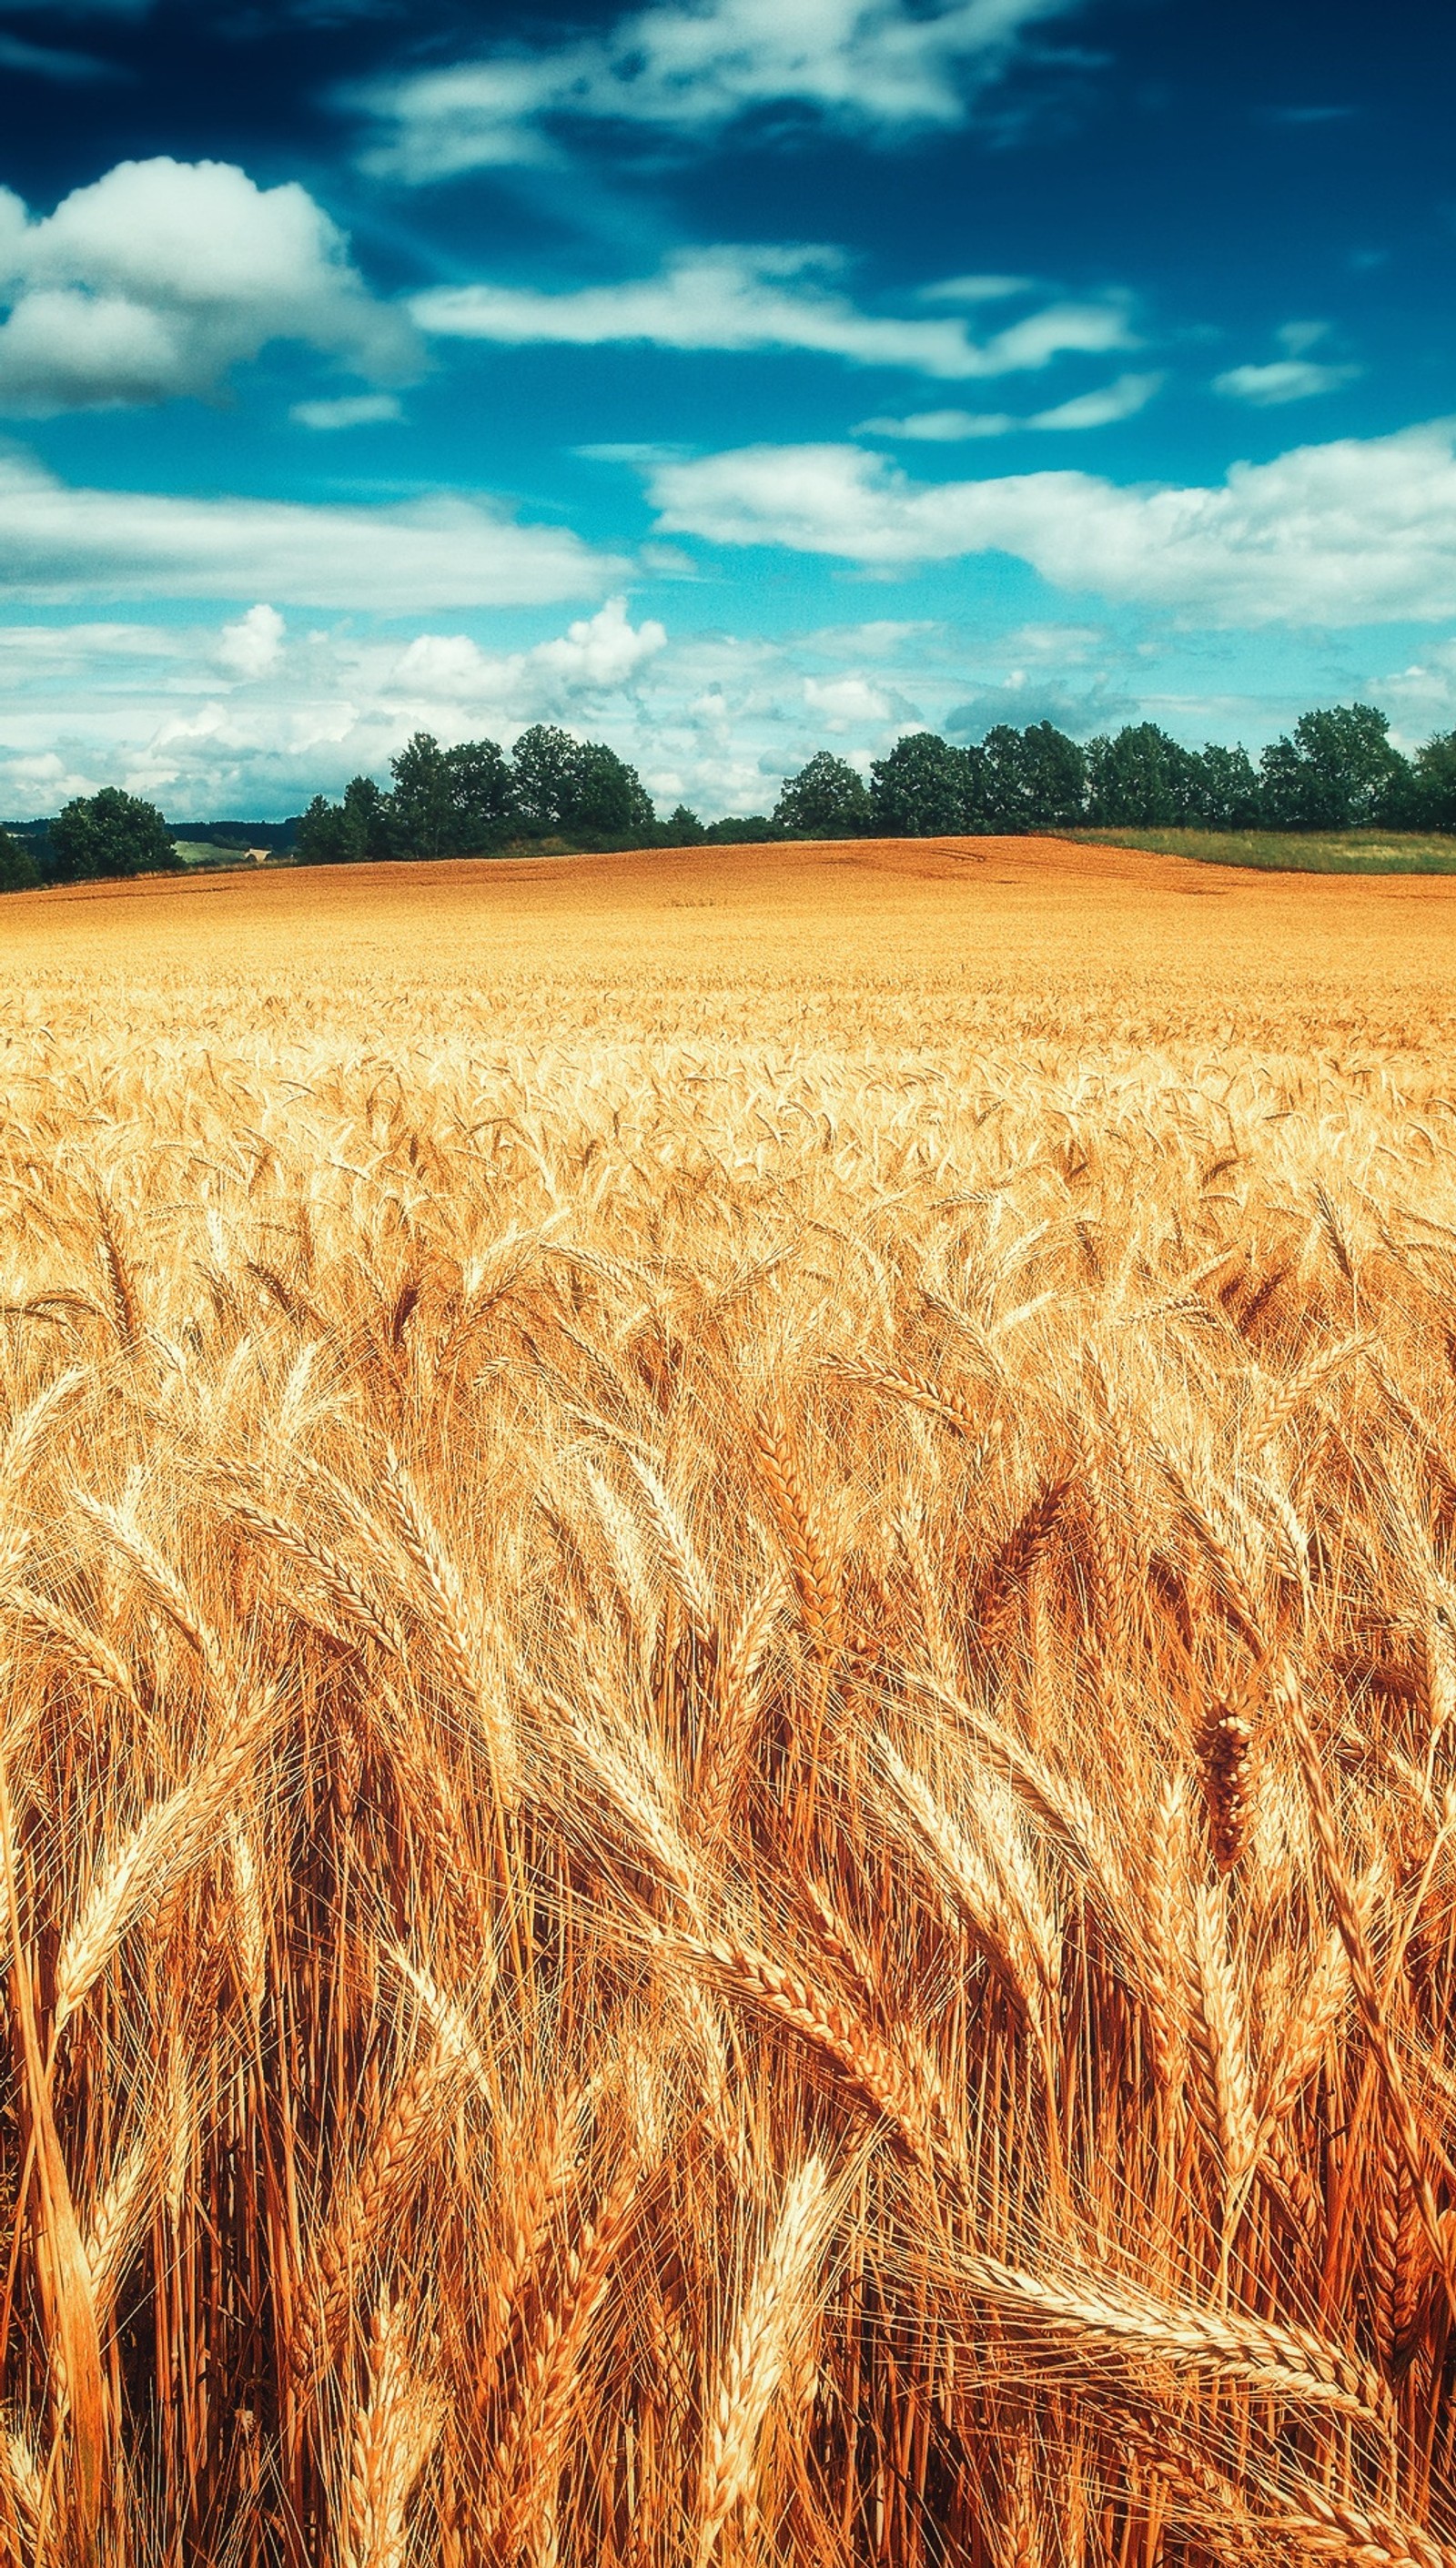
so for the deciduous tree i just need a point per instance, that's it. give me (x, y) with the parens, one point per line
(826, 800)
(111, 833)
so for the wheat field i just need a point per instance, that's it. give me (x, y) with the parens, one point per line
(728, 1623)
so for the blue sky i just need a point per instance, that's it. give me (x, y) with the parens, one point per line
(722, 377)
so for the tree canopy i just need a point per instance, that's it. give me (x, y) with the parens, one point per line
(1337, 770)
(471, 799)
(110, 834)
(18, 868)
(826, 800)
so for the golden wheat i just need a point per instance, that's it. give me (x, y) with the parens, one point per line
(728, 1720)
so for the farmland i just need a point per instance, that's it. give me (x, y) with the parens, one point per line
(729, 1764)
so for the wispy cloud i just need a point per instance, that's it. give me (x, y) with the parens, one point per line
(351, 410)
(875, 66)
(942, 426)
(974, 289)
(1295, 375)
(159, 277)
(1354, 533)
(735, 297)
(58, 542)
(1102, 407)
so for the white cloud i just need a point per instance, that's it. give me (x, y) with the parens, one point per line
(1357, 531)
(850, 704)
(1100, 408)
(254, 644)
(257, 715)
(942, 426)
(59, 543)
(352, 410)
(1287, 378)
(740, 297)
(163, 274)
(974, 289)
(1291, 378)
(594, 657)
(877, 65)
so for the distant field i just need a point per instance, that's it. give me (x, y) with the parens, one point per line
(1340, 852)
(727, 1685)
(925, 945)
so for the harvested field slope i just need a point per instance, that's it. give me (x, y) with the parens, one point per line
(727, 1628)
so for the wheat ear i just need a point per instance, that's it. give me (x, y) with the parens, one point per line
(771, 2325)
(883, 2082)
(1363, 1981)
(394, 2436)
(808, 1555)
(174, 1834)
(1281, 2362)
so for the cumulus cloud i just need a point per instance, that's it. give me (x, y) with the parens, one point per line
(162, 276)
(1030, 696)
(1420, 697)
(737, 297)
(1100, 408)
(216, 720)
(882, 67)
(1353, 532)
(254, 644)
(839, 705)
(59, 543)
(258, 713)
(594, 657)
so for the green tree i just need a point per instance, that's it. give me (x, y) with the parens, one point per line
(684, 828)
(1027, 780)
(743, 829)
(483, 793)
(826, 800)
(320, 839)
(424, 801)
(544, 767)
(925, 789)
(366, 823)
(1054, 778)
(1435, 781)
(607, 797)
(1141, 779)
(579, 787)
(1336, 773)
(111, 833)
(18, 868)
(1226, 789)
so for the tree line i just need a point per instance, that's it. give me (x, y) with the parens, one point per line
(1337, 770)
